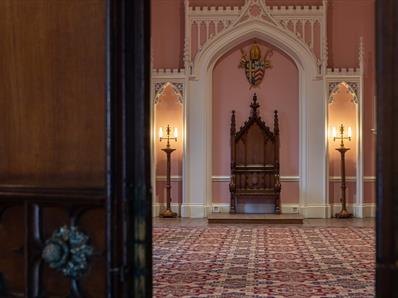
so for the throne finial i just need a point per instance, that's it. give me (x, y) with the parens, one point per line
(276, 123)
(233, 125)
(254, 105)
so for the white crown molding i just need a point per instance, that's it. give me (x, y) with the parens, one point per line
(168, 73)
(348, 72)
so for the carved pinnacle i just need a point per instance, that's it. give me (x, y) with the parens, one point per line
(254, 105)
(276, 122)
(233, 127)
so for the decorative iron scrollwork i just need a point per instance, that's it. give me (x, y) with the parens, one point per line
(68, 251)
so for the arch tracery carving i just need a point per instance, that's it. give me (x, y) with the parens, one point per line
(307, 25)
(177, 87)
(298, 31)
(352, 87)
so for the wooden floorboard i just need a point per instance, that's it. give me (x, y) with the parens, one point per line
(255, 218)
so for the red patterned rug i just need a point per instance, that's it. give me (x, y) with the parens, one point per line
(263, 261)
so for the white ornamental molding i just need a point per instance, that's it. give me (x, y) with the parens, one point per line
(160, 87)
(307, 24)
(351, 78)
(168, 73)
(352, 87)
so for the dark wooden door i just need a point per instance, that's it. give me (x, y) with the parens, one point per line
(387, 145)
(74, 149)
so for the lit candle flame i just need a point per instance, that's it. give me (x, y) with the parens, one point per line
(175, 132)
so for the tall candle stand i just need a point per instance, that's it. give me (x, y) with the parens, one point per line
(168, 212)
(344, 212)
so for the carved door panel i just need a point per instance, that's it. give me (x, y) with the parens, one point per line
(74, 152)
(52, 170)
(44, 250)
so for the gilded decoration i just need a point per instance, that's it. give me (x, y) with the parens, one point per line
(352, 89)
(178, 88)
(255, 65)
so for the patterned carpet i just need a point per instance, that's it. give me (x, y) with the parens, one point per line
(263, 261)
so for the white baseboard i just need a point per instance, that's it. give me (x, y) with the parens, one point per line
(315, 211)
(358, 211)
(324, 211)
(365, 210)
(187, 210)
(157, 207)
(194, 210)
(218, 208)
(290, 208)
(224, 208)
(309, 211)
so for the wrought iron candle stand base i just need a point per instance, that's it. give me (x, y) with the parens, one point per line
(168, 213)
(344, 212)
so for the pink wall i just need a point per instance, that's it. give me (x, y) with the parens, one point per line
(278, 90)
(168, 111)
(347, 21)
(342, 111)
(335, 192)
(167, 27)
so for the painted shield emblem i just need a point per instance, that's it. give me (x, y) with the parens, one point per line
(255, 66)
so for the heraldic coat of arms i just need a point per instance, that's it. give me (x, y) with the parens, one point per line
(255, 66)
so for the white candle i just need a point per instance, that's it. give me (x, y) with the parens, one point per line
(349, 132)
(160, 132)
(334, 132)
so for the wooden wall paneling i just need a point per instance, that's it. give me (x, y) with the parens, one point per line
(387, 145)
(52, 140)
(52, 65)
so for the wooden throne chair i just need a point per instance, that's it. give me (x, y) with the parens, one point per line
(255, 160)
